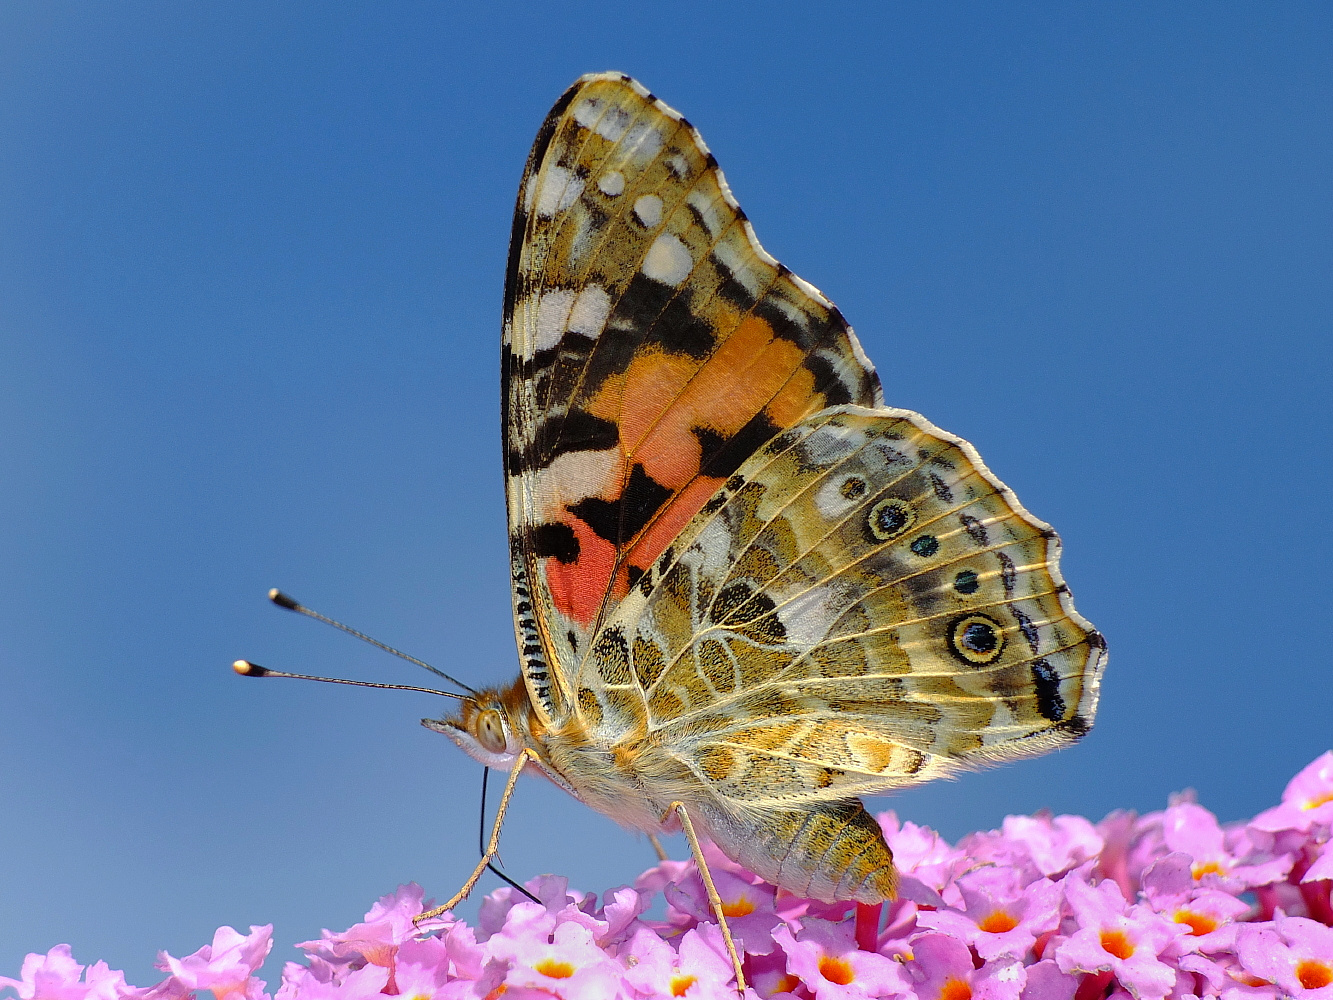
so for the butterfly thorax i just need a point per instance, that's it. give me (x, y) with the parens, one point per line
(500, 723)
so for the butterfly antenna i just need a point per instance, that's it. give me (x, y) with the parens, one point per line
(291, 604)
(247, 669)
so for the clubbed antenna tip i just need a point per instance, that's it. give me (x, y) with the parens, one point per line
(282, 600)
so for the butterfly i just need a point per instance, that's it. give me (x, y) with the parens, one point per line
(746, 592)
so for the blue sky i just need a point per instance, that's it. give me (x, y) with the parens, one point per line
(251, 258)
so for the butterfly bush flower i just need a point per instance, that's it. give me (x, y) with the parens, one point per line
(558, 958)
(942, 968)
(1293, 953)
(999, 916)
(1169, 906)
(749, 906)
(1114, 937)
(226, 967)
(823, 955)
(698, 967)
(1307, 803)
(925, 861)
(56, 976)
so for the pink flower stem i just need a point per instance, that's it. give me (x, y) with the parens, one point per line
(1267, 898)
(1094, 986)
(867, 925)
(1318, 898)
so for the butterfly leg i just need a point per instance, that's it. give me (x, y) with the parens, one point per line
(657, 846)
(714, 900)
(493, 847)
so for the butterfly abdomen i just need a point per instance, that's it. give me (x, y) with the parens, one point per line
(833, 851)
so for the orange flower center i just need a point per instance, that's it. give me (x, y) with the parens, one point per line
(1117, 944)
(740, 908)
(1322, 800)
(679, 984)
(1199, 923)
(955, 989)
(554, 968)
(1314, 975)
(836, 970)
(998, 922)
(1206, 868)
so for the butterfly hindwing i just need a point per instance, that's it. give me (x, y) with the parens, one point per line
(864, 606)
(651, 346)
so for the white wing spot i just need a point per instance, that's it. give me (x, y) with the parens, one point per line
(588, 317)
(649, 210)
(588, 111)
(644, 141)
(677, 165)
(611, 183)
(581, 242)
(610, 126)
(574, 475)
(559, 188)
(668, 260)
(552, 316)
(711, 554)
(613, 124)
(808, 618)
(839, 495)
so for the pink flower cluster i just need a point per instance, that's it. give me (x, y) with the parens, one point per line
(1171, 904)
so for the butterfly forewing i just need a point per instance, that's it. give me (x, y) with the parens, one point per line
(651, 346)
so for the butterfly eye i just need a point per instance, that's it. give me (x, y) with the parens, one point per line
(976, 639)
(490, 731)
(889, 519)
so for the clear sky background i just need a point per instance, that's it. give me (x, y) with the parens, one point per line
(251, 258)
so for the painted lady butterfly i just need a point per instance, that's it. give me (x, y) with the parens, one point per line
(746, 592)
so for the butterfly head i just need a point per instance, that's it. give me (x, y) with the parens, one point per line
(492, 727)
